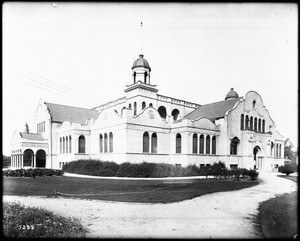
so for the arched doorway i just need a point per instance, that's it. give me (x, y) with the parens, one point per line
(40, 158)
(257, 160)
(27, 158)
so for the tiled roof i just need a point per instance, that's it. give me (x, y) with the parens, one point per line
(213, 111)
(32, 136)
(61, 113)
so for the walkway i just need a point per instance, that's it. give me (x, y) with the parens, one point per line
(217, 215)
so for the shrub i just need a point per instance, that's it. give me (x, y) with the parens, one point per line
(191, 170)
(287, 169)
(219, 169)
(24, 222)
(39, 172)
(253, 174)
(236, 173)
(205, 171)
(91, 167)
(244, 172)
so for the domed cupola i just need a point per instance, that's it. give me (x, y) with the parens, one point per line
(231, 94)
(141, 62)
(141, 70)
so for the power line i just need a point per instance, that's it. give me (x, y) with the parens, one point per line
(46, 79)
(38, 82)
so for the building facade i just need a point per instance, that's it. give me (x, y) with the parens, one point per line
(146, 126)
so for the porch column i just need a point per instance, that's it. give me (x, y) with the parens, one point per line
(22, 161)
(34, 160)
(17, 160)
(12, 161)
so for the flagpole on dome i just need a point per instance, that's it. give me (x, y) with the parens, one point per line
(141, 38)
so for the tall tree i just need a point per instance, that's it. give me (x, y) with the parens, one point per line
(288, 152)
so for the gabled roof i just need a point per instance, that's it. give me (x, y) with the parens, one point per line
(61, 113)
(31, 136)
(214, 110)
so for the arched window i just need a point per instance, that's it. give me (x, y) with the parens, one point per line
(207, 149)
(233, 146)
(129, 106)
(134, 76)
(60, 145)
(151, 105)
(251, 123)
(254, 104)
(64, 145)
(263, 126)
(146, 142)
(213, 145)
(178, 143)
(67, 145)
(81, 144)
(195, 137)
(201, 144)
(175, 114)
(154, 143)
(247, 123)
(105, 143)
(70, 144)
(162, 111)
(259, 125)
(100, 143)
(145, 77)
(111, 142)
(134, 108)
(255, 124)
(143, 105)
(242, 122)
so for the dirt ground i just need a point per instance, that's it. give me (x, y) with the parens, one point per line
(217, 215)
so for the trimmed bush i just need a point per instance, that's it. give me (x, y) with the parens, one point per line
(287, 169)
(146, 169)
(91, 167)
(25, 222)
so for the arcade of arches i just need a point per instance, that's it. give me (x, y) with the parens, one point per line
(28, 158)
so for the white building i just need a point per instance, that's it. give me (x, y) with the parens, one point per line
(146, 126)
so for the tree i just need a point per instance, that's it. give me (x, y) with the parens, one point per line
(287, 169)
(288, 152)
(26, 128)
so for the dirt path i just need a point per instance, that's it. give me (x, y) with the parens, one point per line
(218, 215)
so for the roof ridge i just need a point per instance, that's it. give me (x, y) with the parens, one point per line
(69, 106)
(221, 101)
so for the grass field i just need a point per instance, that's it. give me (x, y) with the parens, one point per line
(278, 216)
(142, 191)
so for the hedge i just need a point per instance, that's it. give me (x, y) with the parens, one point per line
(39, 172)
(146, 169)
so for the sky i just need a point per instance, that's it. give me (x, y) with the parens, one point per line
(81, 54)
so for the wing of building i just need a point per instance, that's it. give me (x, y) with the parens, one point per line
(146, 126)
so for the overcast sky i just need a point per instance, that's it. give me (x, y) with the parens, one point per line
(81, 54)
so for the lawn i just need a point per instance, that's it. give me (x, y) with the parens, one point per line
(28, 222)
(278, 216)
(142, 191)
